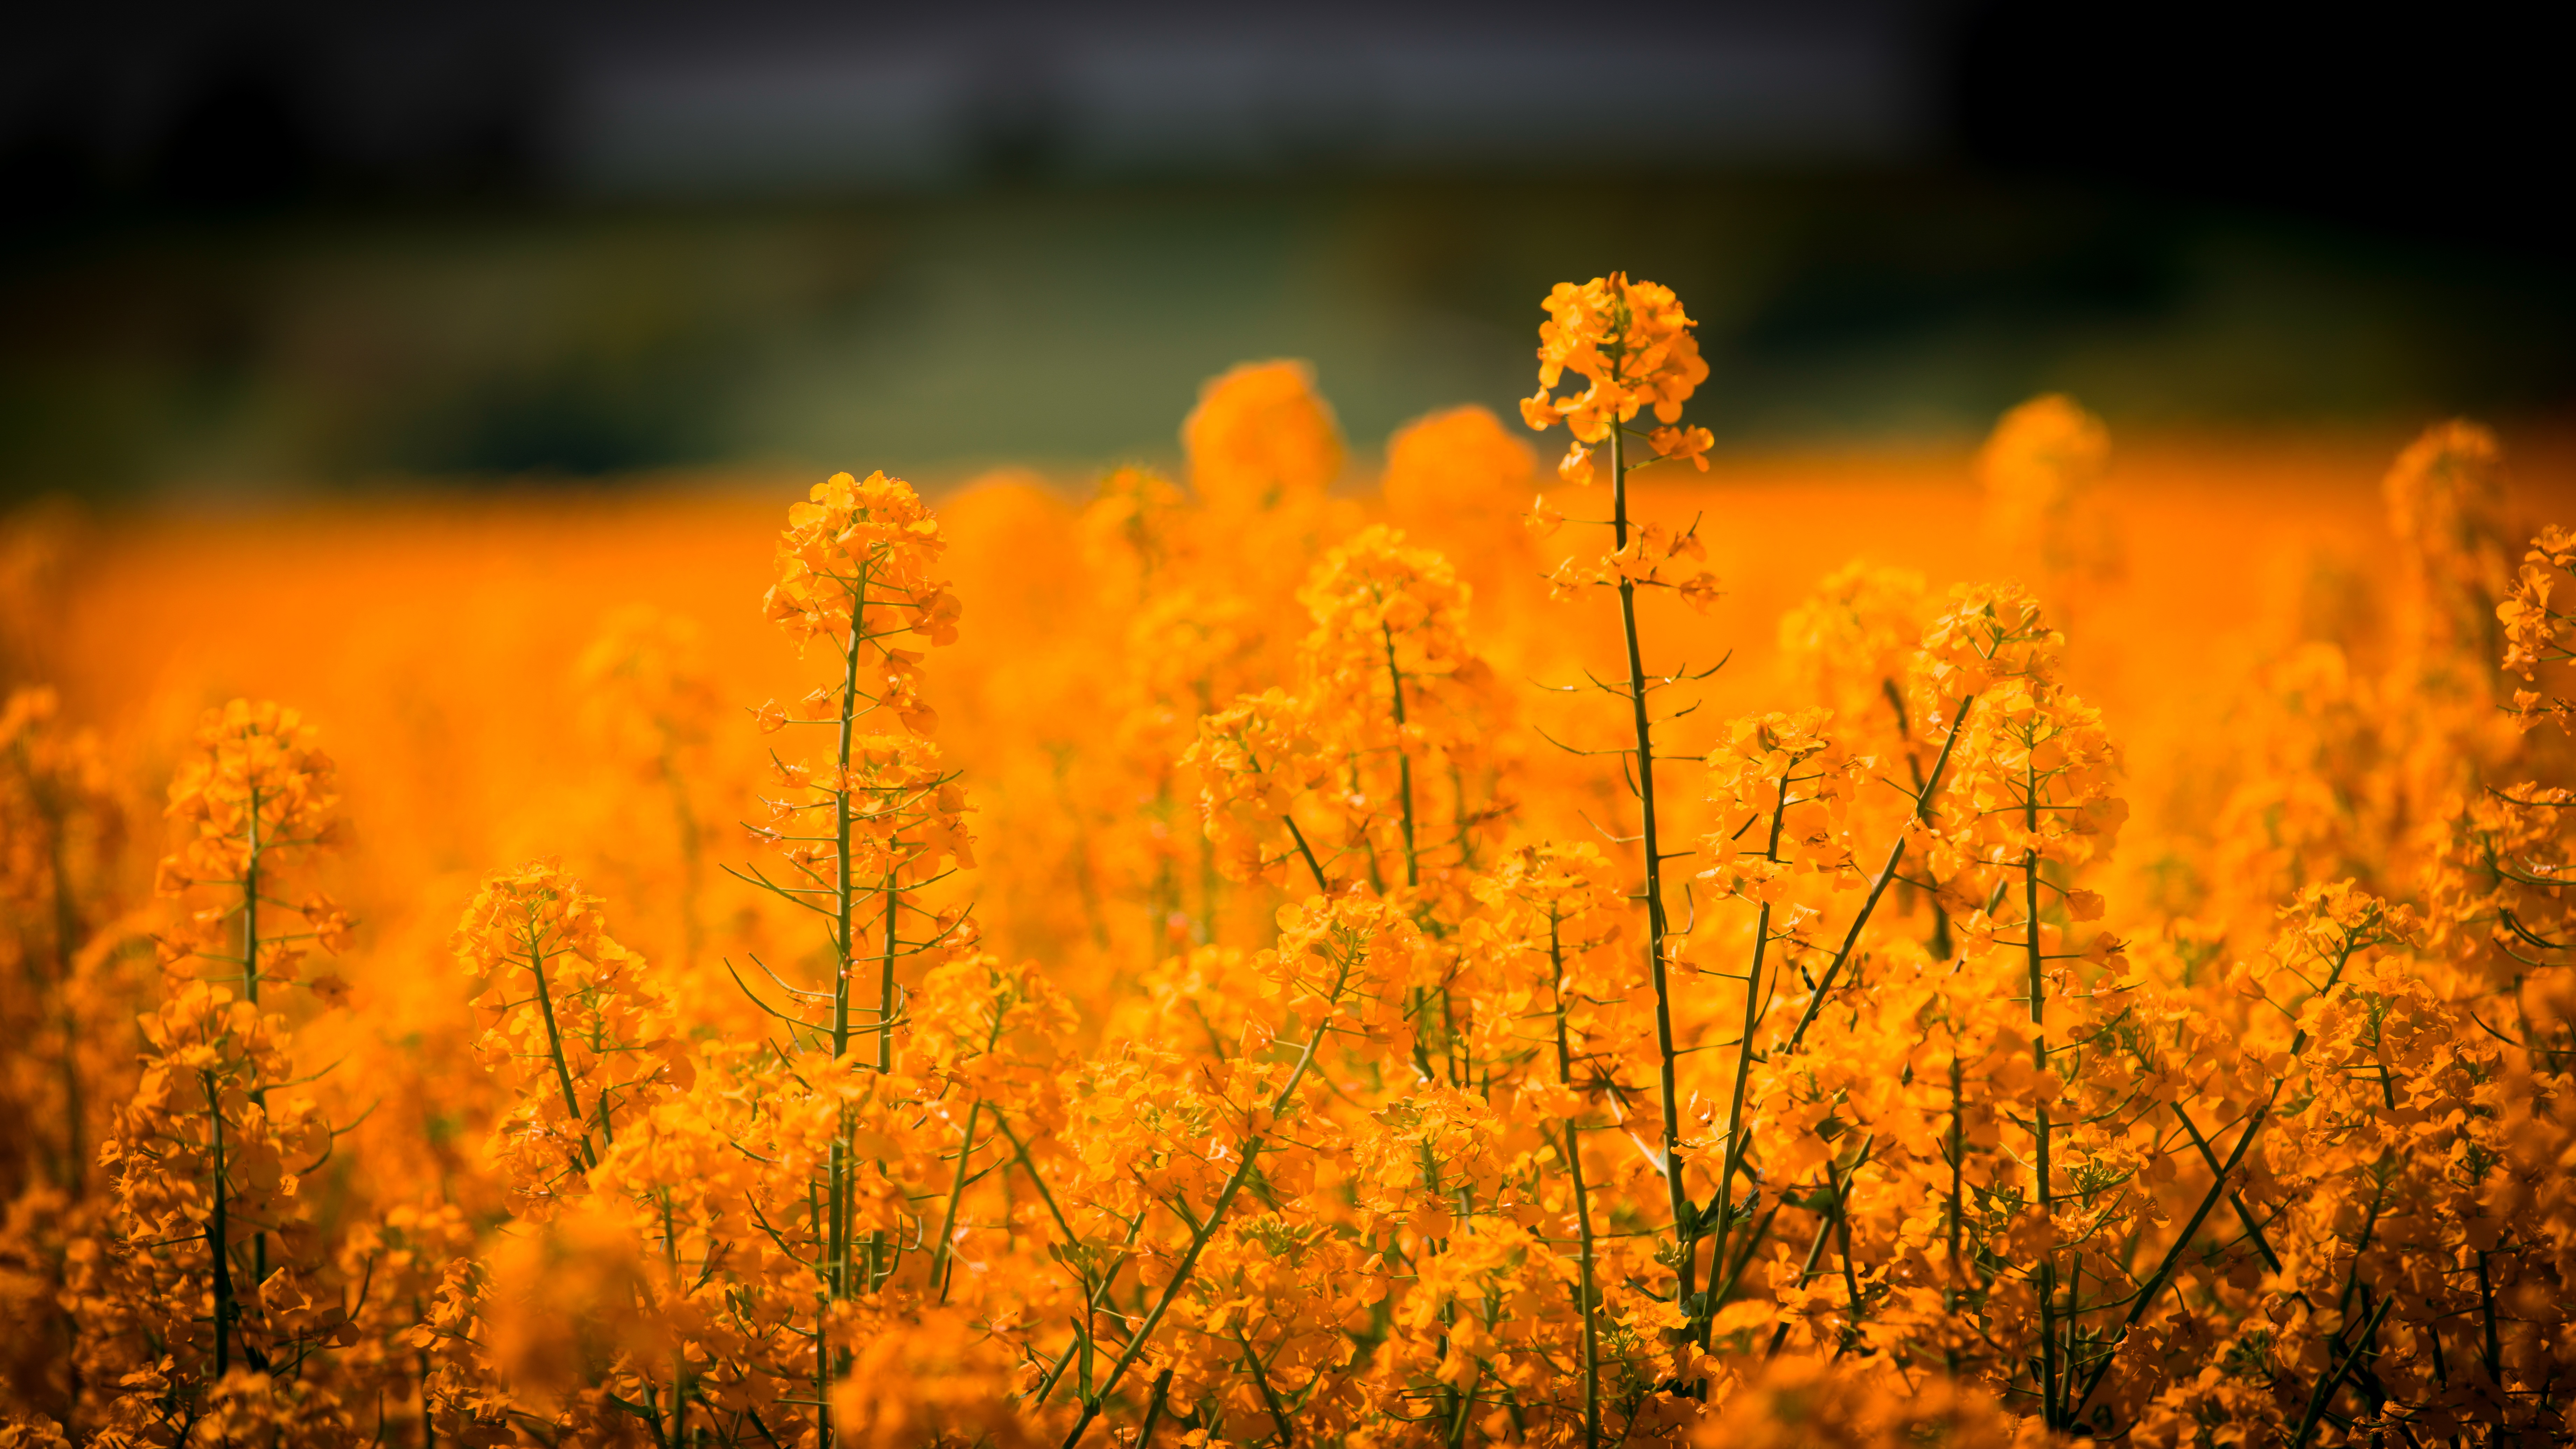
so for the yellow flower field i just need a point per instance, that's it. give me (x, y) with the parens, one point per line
(1557, 937)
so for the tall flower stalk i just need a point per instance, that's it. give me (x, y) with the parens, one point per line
(868, 828)
(206, 1158)
(1633, 345)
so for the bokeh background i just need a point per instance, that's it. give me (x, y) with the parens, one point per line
(273, 251)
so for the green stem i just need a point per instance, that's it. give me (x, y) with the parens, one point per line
(1837, 1195)
(2217, 1187)
(2244, 1215)
(1154, 1411)
(1588, 1303)
(226, 1307)
(2325, 1391)
(554, 1045)
(1269, 1395)
(1958, 1168)
(250, 901)
(428, 1411)
(956, 1192)
(885, 980)
(1307, 851)
(1886, 873)
(679, 1362)
(250, 988)
(836, 1247)
(2487, 1322)
(1206, 1231)
(1403, 758)
(1685, 1243)
(1733, 1157)
(2049, 1408)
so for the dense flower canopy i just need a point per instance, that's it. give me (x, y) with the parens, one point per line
(1320, 971)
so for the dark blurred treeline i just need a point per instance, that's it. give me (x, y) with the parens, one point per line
(285, 246)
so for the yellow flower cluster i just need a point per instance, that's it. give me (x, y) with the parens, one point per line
(1632, 345)
(256, 793)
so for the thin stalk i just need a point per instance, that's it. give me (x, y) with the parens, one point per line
(1851, 1284)
(1685, 1218)
(1721, 1290)
(1806, 1275)
(2039, 1059)
(1313, 865)
(1886, 873)
(822, 1337)
(554, 1046)
(956, 1191)
(679, 1362)
(2244, 1215)
(1269, 1396)
(836, 1247)
(1154, 1411)
(1838, 1197)
(1036, 1179)
(250, 990)
(1589, 1289)
(226, 1307)
(1308, 851)
(2326, 1388)
(1940, 943)
(885, 980)
(1958, 1167)
(250, 901)
(1466, 1404)
(428, 1411)
(844, 901)
(2487, 1322)
(1206, 1231)
(1403, 761)
(1208, 888)
(2217, 1188)
(1733, 1158)
(877, 1271)
(2155, 1284)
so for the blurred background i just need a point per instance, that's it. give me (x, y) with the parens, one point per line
(255, 251)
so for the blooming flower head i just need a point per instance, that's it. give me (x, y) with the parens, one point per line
(256, 790)
(1254, 758)
(867, 545)
(1380, 604)
(1632, 343)
(253, 762)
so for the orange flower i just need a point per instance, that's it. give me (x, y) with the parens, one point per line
(1632, 344)
(1690, 443)
(1260, 436)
